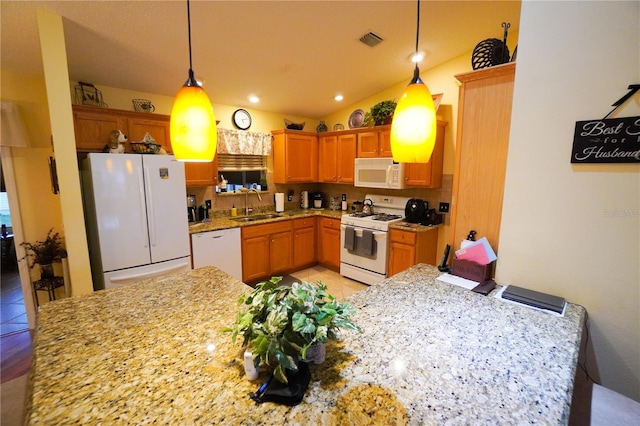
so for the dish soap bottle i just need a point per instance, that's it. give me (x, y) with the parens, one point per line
(234, 211)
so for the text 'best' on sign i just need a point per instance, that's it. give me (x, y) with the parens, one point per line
(614, 140)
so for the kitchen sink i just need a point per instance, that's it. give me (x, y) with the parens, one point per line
(255, 217)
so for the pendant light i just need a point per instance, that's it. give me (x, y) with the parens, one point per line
(413, 129)
(194, 136)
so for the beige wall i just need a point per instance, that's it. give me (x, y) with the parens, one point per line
(39, 207)
(574, 230)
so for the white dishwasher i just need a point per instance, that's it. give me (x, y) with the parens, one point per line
(221, 249)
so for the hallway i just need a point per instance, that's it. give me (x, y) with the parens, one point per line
(13, 316)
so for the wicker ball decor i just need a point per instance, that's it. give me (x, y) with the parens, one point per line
(488, 53)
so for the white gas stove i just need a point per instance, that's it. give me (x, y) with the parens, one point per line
(364, 245)
(386, 210)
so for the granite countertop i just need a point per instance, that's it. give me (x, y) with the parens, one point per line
(413, 227)
(226, 222)
(429, 353)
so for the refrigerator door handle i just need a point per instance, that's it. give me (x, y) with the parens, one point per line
(151, 210)
(143, 222)
(157, 272)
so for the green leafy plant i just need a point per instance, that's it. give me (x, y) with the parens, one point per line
(279, 323)
(381, 111)
(45, 252)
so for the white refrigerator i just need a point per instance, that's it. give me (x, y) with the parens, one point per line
(135, 210)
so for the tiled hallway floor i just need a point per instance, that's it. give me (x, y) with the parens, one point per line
(13, 316)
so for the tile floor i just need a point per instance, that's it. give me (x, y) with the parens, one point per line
(337, 285)
(13, 316)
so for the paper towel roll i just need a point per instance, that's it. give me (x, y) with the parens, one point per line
(279, 202)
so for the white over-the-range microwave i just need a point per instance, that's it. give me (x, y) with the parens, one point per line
(379, 173)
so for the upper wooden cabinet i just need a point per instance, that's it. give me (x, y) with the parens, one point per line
(295, 156)
(428, 175)
(374, 142)
(337, 154)
(201, 174)
(484, 117)
(93, 126)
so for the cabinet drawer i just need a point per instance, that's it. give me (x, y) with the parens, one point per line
(403, 237)
(330, 223)
(306, 222)
(266, 229)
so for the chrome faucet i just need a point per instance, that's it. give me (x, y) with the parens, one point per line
(246, 198)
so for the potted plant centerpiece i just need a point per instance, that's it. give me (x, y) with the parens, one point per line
(381, 113)
(45, 253)
(281, 325)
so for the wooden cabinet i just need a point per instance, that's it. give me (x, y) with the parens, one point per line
(295, 156)
(428, 175)
(304, 242)
(266, 250)
(375, 142)
(329, 243)
(93, 126)
(337, 153)
(484, 117)
(407, 248)
(201, 174)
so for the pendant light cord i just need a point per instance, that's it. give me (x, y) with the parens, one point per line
(416, 70)
(189, 29)
(418, 27)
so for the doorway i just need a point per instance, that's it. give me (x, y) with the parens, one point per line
(17, 292)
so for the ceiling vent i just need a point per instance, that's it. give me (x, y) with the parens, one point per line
(371, 39)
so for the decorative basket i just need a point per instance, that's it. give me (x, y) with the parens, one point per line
(145, 148)
(294, 126)
(488, 53)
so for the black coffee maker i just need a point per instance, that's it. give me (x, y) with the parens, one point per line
(317, 200)
(192, 210)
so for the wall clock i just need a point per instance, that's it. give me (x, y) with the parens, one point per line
(241, 119)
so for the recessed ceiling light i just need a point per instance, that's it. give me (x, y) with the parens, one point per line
(417, 57)
(339, 98)
(254, 99)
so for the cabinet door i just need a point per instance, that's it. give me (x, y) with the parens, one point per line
(302, 158)
(368, 144)
(428, 175)
(158, 128)
(280, 252)
(201, 174)
(384, 142)
(346, 158)
(93, 128)
(401, 257)
(255, 258)
(329, 243)
(327, 153)
(304, 242)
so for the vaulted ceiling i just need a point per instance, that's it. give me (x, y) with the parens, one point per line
(295, 55)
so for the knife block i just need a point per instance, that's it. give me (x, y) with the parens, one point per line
(471, 270)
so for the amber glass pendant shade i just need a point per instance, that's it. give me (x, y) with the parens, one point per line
(413, 129)
(194, 136)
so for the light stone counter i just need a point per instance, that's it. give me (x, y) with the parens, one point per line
(430, 353)
(226, 222)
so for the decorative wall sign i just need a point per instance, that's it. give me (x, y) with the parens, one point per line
(614, 140)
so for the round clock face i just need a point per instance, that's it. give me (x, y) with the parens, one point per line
(241, 119)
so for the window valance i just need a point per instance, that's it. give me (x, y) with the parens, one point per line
(236, 142)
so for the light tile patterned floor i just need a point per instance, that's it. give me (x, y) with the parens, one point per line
(337, 285)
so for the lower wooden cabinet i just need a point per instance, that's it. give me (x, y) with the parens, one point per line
(407, 248)
(266, 250)
(329, 243)
(304, 242)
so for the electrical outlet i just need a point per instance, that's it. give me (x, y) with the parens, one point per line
(207, 203)
(444, 208)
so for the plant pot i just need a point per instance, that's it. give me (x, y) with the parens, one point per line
(316, 353)
(388, 120)
(46, 271)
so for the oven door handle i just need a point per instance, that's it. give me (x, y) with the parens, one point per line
(357, 228)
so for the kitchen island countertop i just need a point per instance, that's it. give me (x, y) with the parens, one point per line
(429, 353)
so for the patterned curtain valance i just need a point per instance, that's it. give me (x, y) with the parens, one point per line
(241, 142)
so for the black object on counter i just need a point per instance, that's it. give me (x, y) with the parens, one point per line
(485, 288)
(290, 393)
(415, 210)
(443, 267)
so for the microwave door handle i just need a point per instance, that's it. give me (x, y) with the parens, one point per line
(389, 176)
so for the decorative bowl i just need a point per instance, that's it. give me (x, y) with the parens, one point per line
(145, 147)
(294, 126)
